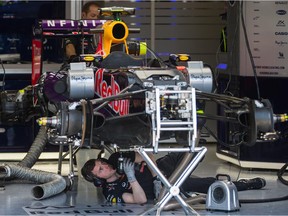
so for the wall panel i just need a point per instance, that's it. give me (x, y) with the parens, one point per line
(191, 27)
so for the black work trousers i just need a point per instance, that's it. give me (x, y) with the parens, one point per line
(171, 161)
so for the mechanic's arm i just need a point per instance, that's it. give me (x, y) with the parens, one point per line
(70, 50)
(139, 159)
(157, 183)
(138, 195)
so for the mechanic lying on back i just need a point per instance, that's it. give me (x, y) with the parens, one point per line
(138, 184)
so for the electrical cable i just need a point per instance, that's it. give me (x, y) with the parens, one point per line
(281, 172)
(275, 199)
(216, 75)
(230, 56)
(4, 75)
(156, 56)
(249, 51)
(217, 63)
(220, 141)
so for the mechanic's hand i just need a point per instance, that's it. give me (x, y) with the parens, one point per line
(129, 170)
(74, 58)
(157, 187)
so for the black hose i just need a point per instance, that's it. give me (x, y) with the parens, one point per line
(276, 199)
(280, 174)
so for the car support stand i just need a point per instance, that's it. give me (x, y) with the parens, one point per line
(173, 190)
(187, 121)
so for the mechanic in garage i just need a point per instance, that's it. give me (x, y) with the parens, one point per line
(73, 45)
(138, 184)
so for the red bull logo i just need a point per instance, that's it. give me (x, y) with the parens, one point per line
(107, 86)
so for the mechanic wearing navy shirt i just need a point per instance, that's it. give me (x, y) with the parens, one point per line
(74, 45)
(139, 184)
(118, 187)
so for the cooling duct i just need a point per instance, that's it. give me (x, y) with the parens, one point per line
(52, 183)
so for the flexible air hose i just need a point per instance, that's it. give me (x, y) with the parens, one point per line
(52, 183)
(36, 149)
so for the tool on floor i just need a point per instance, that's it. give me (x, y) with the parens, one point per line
(222, 195)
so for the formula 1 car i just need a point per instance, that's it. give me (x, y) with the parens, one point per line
(125, 95)
(122, 96)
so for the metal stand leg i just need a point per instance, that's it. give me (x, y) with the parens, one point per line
(60, 159)
(173, 190)
(71, 152)
(71, 167)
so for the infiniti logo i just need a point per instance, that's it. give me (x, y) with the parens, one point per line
(281, 12)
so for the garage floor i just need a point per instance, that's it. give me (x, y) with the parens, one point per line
(85, 199)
